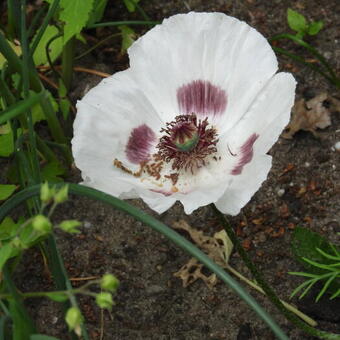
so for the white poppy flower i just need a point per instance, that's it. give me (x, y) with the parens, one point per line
(191, 120)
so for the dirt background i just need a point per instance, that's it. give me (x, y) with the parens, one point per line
(151, 303)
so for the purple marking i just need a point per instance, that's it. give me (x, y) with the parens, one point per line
(140, 142)
(246, 154)
(163, 192)
(201, 97)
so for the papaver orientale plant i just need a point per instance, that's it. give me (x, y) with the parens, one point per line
(191, 120)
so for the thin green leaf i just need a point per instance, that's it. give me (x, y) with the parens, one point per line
(6, 190)
(312, 283)
(328, 256)
(6, 251)
(302, 274)
(42, 337)
(324, 288)
(336, 294)
(21, 107)
(319, 265)
(296, 21)
(300, 287)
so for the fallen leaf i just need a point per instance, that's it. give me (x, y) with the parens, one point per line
(217, 247)
(310, 115)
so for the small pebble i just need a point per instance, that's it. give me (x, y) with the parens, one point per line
(291, 184)
(337, 146)
(307, 164)
(87, 224)
(281, 192)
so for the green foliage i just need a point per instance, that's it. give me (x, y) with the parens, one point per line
(298, 23)
(6, 190)
(75, 15)
(109, 282)
(55, 47)
(131, 4)
(97, 11)
(70, 226)
(73, 318)
(320, 258)
(42, 337)
(128, 37)
(52, 171)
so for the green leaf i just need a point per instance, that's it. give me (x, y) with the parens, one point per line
(57, 296)
(314, 27)
(296, 21)
(8, 228)
(21, 106)
(6, 251)
(131, 4)
(6, 190)
(128, 37)
(97, 12)
(55, 48)
(6, 141)
(51, 172)
(75, 14)
(16, 49)
(304, 245)
(42, 337)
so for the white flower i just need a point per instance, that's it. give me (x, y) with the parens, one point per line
(191, 120)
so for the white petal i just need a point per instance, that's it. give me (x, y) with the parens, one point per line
(105, 118)
(244, 186)
(202, 46)
(267, 116)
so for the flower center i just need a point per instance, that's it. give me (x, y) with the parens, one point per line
(187, 142)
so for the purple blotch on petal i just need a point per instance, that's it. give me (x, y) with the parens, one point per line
(139, 144)
(201, 97)
(163, 192)
(246, 154)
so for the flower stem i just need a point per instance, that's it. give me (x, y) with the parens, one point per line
(265, 286)
(67, 63)
(312, 50)
(293, 309)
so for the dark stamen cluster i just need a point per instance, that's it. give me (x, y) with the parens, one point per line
(194, 158)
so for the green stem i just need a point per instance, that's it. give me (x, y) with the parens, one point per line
(265, 286)
(311, 49)
(302, 61)
(44, 24)
(97, 45)
(15, 63)
(159, 227)
(67, 63)
(60, 275)
(22, 318)
(25, 76)
(126, 22)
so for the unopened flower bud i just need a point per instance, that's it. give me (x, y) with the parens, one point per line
(46, 193)
(73, 318)
(104, 300)
(109, 282)
(62, 195)
(41, 224)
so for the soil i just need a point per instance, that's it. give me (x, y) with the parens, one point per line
(302, 189)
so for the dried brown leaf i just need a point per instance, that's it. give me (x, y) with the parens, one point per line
(218, 248)
(309, 115)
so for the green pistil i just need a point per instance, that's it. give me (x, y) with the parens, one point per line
(188, 144)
